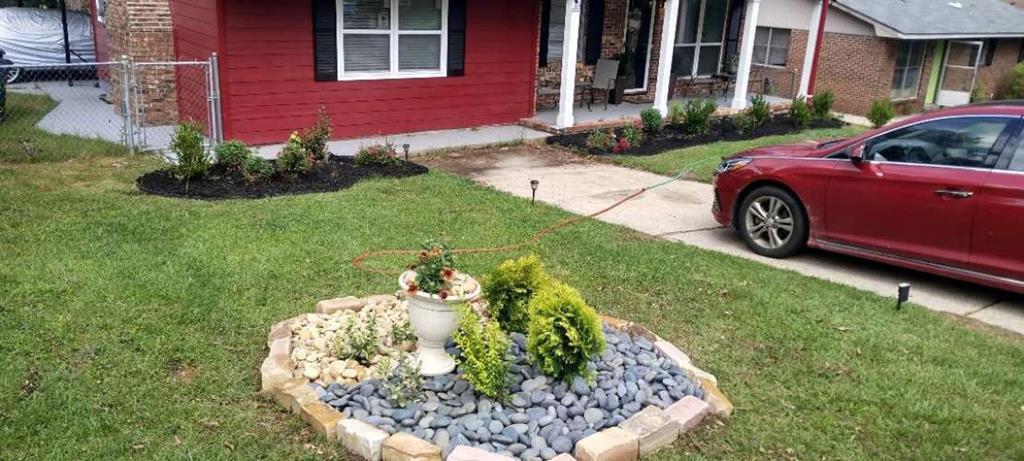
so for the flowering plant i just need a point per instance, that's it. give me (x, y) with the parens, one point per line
(435, 271)
(621, 146)
(294, 159)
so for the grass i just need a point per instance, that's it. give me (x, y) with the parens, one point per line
(134, 326)
(21, 141)
(703, 159)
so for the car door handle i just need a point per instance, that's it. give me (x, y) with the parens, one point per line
(961, 194)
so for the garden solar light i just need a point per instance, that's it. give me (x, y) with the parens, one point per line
(534, 184)
(405, 147)
(904, 295)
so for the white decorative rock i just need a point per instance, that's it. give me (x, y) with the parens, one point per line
(361, 439)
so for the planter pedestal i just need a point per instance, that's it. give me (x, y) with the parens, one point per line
(433, 321)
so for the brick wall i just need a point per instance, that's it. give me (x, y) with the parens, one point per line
(994, 79)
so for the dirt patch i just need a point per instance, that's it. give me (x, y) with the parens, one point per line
(674, 137)
(472, 162)
(334, 174)
(184, 373)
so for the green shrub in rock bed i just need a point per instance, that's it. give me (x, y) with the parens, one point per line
(564, 333)
(377, 155)
(187, 145)
(652, 120)
(359, 341)
(231, 155)
(800, 113)
(401, 379)
(760, 111)
(697, 115)
(821, 104)
(881, 113)
(256, 168)
(509, 288)
(293, 158)
(484, 360)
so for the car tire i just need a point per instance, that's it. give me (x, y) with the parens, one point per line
(13, 74)
(772, 222)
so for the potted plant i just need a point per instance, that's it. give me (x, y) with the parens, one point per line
(434, 289)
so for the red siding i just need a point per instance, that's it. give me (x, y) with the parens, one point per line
(270, 91)
(196, 35)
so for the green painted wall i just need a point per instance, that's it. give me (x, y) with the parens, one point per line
(933, 80)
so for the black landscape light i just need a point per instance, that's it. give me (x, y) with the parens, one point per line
(904, 295)
(534, 184)
(405, 147)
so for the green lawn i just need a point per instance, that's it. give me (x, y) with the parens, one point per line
(702, 160)
(134, 326)
(21, 141)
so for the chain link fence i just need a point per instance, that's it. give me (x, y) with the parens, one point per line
(134, 104)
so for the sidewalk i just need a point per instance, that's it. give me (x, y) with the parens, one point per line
(680, 212)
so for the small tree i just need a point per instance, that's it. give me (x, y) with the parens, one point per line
(821, 105)
(1016, 88)
(881, 113)
(800, 113)
(187, 144)
(652, 120)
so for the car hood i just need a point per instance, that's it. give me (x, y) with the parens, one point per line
(801, 149)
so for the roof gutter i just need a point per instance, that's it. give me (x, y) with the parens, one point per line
(883, 30)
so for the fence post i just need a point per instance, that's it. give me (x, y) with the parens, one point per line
(126, 104)
(216, 122)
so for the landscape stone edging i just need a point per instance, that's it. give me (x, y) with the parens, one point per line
(622, 442)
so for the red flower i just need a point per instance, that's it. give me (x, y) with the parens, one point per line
(443, 294)
(447, 273)
(413, 288)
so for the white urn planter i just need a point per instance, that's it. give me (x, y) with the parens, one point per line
(433, 321)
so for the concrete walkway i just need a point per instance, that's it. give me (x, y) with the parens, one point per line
(680, 212)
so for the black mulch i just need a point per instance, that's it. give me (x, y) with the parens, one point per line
(334, 174)
(673, 137)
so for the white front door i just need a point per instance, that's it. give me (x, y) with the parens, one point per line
(959, 72)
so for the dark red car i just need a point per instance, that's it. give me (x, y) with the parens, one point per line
(942, 193)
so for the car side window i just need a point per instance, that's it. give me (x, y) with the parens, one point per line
(1017, 162)
(961, 141)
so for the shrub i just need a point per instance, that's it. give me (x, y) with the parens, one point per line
(651, 119)
(760, 111)
(800, 113)
(435, 269)
(697, 115)
(821, 104)
(634, 134)
(359, 342)
(254, 168)
(564, 333)
(978, 94)
(676, 113)
(622, 146)
(377, 155)
(314, 139)
(881, 113)
(231, 155)
(400, 379)
(744, 123)
(509, 288)
(401, 333)
(1016, 88)
(294, 159)
(187, 145)
(602, 140)
(484, 361)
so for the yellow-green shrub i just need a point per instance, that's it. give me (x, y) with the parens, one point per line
(484, 361)
(508, 289)
(564, 334)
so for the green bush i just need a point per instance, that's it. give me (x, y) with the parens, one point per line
(400, 379)
(881, 113)
(1016, 88)
(359, 341)
(602, 140)
(760, 112)
(800, 113)
(294, 159)
(315, 139)
(634, 135)
(821, 104)
(255, 168)
(231, 155)
(484, 360)
(187, 145)
(377, 155)
(978, 94)
(744, 123)
(652, 120)
(564, 334)
(509, 288)
(676, 113)
(697, 115)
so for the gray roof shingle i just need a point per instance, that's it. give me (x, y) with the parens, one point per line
(941, 18)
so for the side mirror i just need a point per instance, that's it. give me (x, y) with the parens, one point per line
(857, 154)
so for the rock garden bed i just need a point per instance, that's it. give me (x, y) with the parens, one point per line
(635, 396)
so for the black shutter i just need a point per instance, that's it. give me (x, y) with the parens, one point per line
(456, 38)
(595, 29)
(545, 31)
(325, 40)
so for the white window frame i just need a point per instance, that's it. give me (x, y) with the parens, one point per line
(101, 11)
(698, 44)
(394, 33)
(920, 73)
(768, 47)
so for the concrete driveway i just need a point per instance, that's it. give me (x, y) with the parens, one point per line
(680, 212)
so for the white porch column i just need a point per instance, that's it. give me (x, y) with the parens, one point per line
(663, 87)
(570, 43)
(812, 45)
(739, 100)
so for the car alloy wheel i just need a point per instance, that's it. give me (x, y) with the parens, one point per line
(13, 74)
(769, 222)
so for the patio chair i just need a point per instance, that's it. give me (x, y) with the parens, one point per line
(604, 80)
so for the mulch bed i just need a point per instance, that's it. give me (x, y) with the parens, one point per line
(334, 174)
(673, 137)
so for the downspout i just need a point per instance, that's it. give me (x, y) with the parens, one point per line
(817, 47)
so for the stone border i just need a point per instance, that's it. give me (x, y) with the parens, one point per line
(642, 434)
